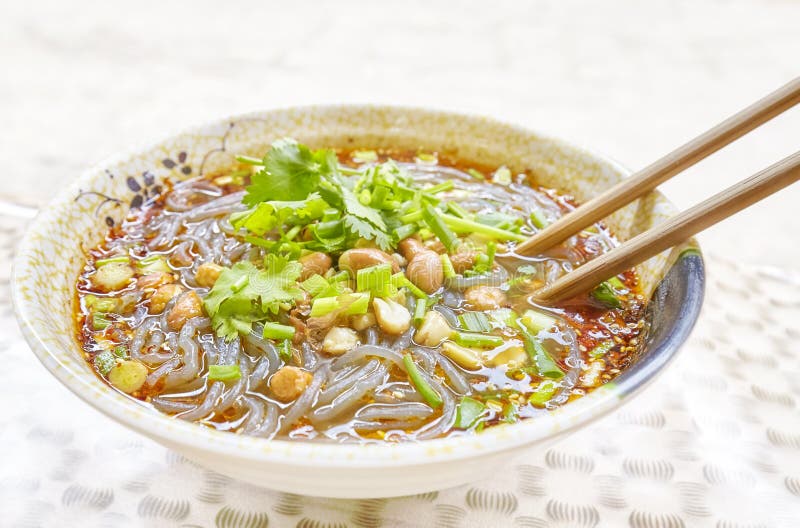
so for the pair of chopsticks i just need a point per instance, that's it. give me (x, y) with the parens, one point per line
(682, 226)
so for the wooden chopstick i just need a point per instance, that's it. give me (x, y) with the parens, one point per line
(674, 230)
(665, 168)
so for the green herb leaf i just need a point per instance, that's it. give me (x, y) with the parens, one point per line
(291, 171)
(244, 294)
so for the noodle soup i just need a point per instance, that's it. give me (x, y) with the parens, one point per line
(354, 296)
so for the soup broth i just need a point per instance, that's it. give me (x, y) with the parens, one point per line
(362, 296)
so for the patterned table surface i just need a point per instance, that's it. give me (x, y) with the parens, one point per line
(715, 442)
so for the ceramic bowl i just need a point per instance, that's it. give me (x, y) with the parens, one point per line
(51, 256)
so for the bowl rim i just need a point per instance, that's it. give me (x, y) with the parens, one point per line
(491, 441)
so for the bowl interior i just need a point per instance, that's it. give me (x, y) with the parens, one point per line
(51, 256)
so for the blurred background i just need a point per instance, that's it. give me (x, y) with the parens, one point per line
(83, 80)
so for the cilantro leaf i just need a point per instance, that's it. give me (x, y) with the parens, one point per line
(244, 294)
(354, 207)
(266, 216)
(291, 171)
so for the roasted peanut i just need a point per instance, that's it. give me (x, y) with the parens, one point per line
(363, 321)
(111, 277)
(511, 357)
(163, 295)
(462, 356)
(339, 340)
(433, 330)
(409, 247)
(425, 270)
(154, 280)
(485, 298)
(289, 382)
(353, 260)
(189, 305)
(207, 274)
(393, 317)
(128, 376)
(463, 260)
(434, 244)
(314, 263)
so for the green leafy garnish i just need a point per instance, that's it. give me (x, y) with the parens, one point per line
(291, 172)
(244, 294)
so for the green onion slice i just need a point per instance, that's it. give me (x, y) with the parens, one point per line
(428, 393)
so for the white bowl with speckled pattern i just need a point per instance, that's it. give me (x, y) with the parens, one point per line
(52, 253)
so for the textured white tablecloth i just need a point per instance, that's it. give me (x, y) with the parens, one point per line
(715, 442)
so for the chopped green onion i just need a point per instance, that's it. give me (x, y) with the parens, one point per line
(537, 321)
(510, 413)
(616, 283)
(478, 175)
(427, 392)
(447, 266)
(315, 285)
(413, 216)
(458, 210)
(240, 283)
(502, 176)
(342, 276)
(546, 366)
(379, 197)
(376, 280)
(224, 373)
(153, 264)
(475, 322)
(481, 265)
(277, 331)
(605, 294)
(544, 393)
(468, 412)
(499, 220)
(464, 225)
(328, 230)
(491, 250)
(330, 215)
(357, 303)
(419, 311)
(249, 160)
(538, 219)
(476, 340)
(364, 156)
(111, 260)
(99, 321)
(104, 362)
(504, 317)
(435, 222)
(285, 350)
(399, 280)
(103, 304)
(427, 158)
(120, 351)
(404, 231)
(440, 187)
(323, 306)
(601, 349)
